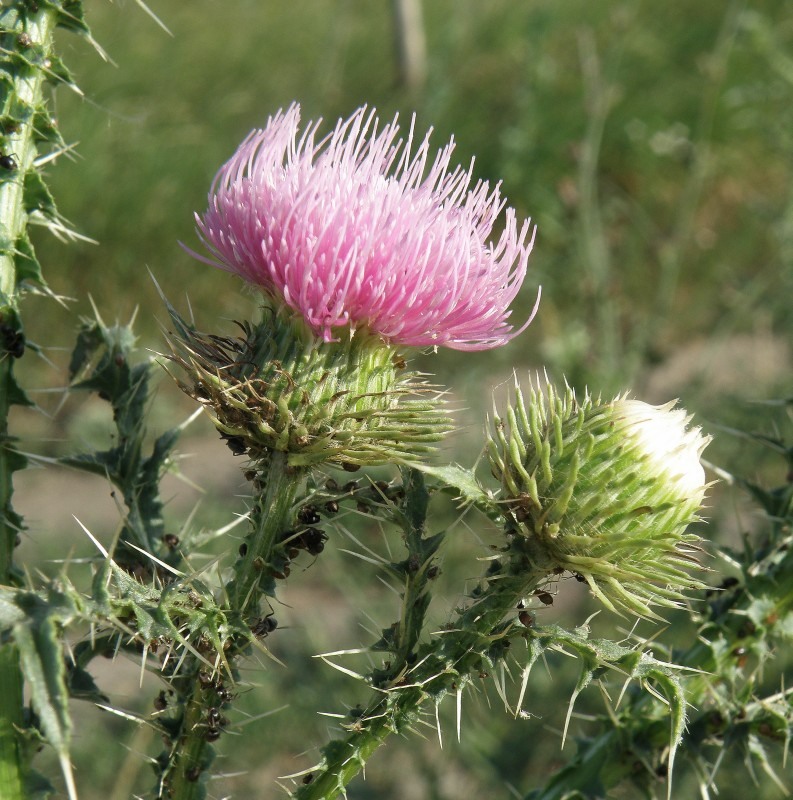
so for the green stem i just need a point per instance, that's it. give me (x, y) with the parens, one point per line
(416, 568)
(23, 32)
(11, 767)
(443, 665)
(19, 99)
(185, 773)
(271, 517)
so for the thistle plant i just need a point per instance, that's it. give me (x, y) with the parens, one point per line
(355, 250)
(361, 248)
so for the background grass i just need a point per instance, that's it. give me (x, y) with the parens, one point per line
(650, 142)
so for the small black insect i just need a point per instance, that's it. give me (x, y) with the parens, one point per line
(216, 719)
(205, 680)
(747, 629)
(313, 539)
(281, 574)
(224, 695)
(193, 774)
(527, 619)
(546, 598)
(264, 626)
(13, 341)
(235, 443)
(308, 515)
(8, 161)
(161, 701)
(171, 541)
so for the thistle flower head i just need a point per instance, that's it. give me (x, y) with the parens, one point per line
(603, 490)
(355, 230)
(276, 388)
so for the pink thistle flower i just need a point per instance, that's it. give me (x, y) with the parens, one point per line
(351, 234)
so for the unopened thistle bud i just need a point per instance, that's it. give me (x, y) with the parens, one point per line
(605, 491)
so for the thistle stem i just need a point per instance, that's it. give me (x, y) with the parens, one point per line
(19, 97)
(415, 596)
(23, 95)
(191, 753)
(443, 665)
(11, 701)
(270, 519)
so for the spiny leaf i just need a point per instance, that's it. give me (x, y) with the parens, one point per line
(38, 641)
(57, 71)
(588, 667)
(72, 17)
(103, 353)
(38, 197)
(416, 501)
(102, 463)
(28, 268)
(100, 362)
(16, 396)
(45, 128)
(676, 698)
(462, 482)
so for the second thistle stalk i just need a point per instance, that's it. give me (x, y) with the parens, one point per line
(478, 638)
(20, 95)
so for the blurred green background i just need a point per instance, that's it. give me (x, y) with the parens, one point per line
(652, 143)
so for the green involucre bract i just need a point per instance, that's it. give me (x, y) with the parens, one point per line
(278, 388)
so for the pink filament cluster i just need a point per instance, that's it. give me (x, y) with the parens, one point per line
(350, 232)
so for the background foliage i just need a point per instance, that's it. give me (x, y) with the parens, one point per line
(651, 143)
